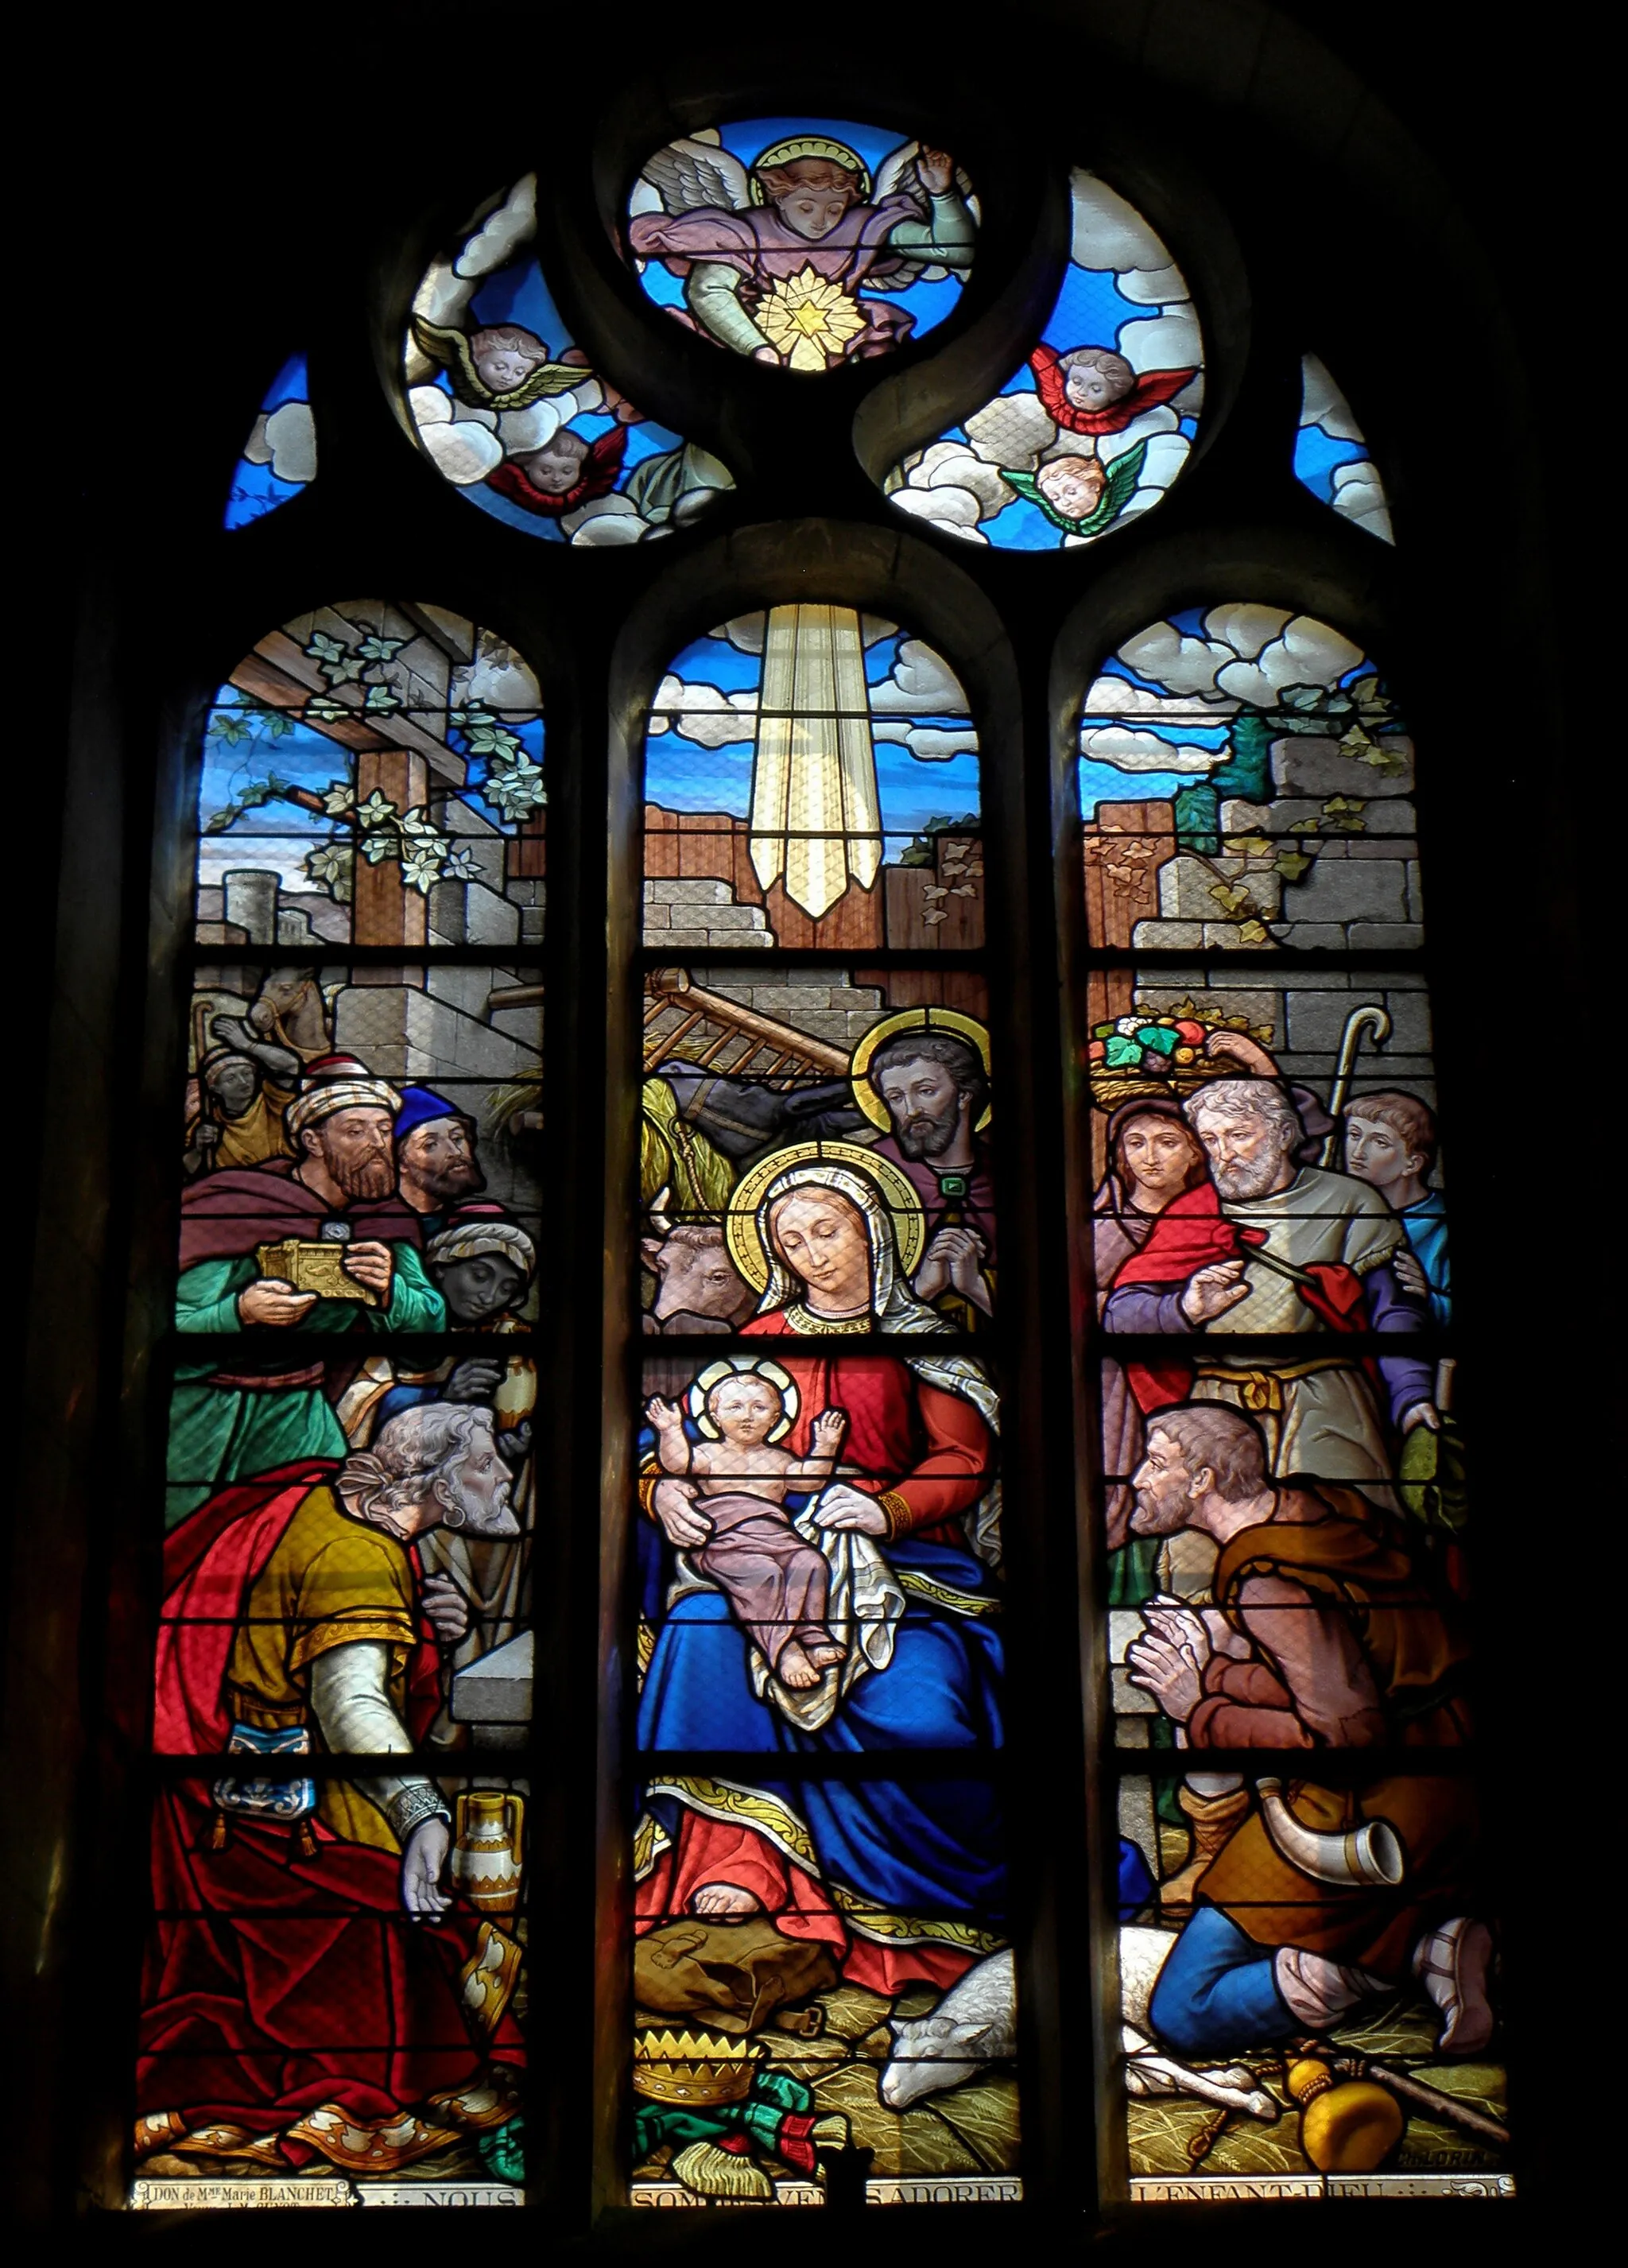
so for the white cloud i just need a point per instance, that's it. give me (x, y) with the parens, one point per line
(931, 744)
(495, 679)
(1360, 496)
(1167, 342)
(464, 450)
(1307, 653)
(1110, 233)
(1247, 652)
(1322, 402)
(534, 427)
(921, 682)
(1115, 696)
(704, 714)
(501, 233)
(1012, 429)
(1143, 427)
(954, 511)
(600, 529)
(1131, 751)
(291, 440)
(1153, 287)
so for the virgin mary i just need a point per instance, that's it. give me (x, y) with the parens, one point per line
(903, 1876)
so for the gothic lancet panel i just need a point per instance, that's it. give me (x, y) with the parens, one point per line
(1307, 1955)
(333, 2005)
(508, 408)
(820, 1601)
(1093, 428)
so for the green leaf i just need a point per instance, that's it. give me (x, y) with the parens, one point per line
(374, 648)
(1292, 864)
(380, 698)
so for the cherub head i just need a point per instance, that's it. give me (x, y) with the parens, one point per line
(1072, 486)
(1095, 378)
(811, 194)
(557, 468)
(505, 355)
(746, 1409)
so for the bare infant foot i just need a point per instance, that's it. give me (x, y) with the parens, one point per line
(795, 1671)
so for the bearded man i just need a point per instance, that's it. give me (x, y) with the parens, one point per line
(1327, 1631)
(256, 1410)
(1272, 1246)
(311, 1987)
(936, 1090)
(436, 1164)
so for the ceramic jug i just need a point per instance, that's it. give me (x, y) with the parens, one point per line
(486, 1848)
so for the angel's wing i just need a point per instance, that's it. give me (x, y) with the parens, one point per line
(685, 175)
(548, 377)
(450, 350)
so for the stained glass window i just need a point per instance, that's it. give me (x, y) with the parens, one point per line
(1307, 1948)
(1331, 458)
(820, 1584)
(507, 406)
(948, 1380)
(280, 456)
(805, 243)
(1097, 423)
(332, 1990)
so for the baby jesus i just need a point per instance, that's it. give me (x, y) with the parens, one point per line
(776, 1583)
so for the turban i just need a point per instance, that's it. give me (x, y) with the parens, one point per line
(417, 1105)
(477, 1229)
(337, 1082)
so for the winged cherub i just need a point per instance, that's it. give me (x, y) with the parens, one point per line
(1082, 495)
(773, 255)
(503, 366)
(1091, 390)
(564, 474)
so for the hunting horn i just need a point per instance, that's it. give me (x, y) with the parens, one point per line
(1370, 1855)
(1372, 1019)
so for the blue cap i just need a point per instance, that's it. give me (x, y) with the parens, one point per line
(419, 1106)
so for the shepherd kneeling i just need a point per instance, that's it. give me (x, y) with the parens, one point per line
(310, 1986)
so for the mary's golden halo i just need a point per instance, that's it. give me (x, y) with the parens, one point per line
(913, 1020)
(894, 1189)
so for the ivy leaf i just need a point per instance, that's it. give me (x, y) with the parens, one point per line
(1232, 897)
(1388, 760)
(415, 823)
(1306, 699)
(374, 648)
(378, 811)
(321, 709)
(338, 797)
(1292, 864)
(378, 847)
(229, 728)
(1249, 846)
(1355, 742)
(380, 699)
(1254, 933)
(323, 649)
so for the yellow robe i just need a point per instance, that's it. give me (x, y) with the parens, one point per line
(332, 1580)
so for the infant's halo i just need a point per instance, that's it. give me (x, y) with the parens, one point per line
(736, 1365)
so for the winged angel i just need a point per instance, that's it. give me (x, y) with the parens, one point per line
(773, 255)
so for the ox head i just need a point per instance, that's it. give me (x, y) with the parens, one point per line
(696, 1286)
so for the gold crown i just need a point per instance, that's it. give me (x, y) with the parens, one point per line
(694, 2067)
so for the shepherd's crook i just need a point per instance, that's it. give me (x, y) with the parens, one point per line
(1371, 1018)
